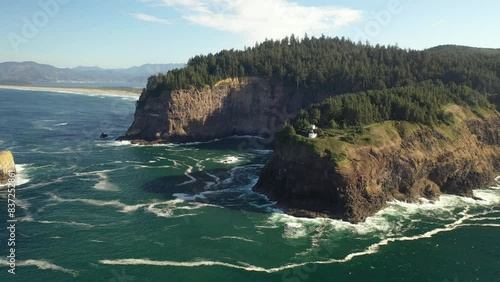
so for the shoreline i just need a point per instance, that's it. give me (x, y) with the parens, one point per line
(74, 90)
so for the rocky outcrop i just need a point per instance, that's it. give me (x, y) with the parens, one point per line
(241, 106)
(6, 165)
(404, 165)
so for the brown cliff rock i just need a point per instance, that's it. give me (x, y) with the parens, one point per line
(406, 166)
(6, 165)
(240, 106)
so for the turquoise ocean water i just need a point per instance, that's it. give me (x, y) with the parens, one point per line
(92, 210)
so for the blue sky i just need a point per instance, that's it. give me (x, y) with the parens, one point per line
(123, 33)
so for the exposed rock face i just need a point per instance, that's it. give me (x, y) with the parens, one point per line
(425, 163)
(245, 106)
(6, 165)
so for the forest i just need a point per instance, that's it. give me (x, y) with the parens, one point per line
(368, 84)
(337, 66)
(421, 103)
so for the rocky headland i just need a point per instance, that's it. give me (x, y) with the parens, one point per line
(393, 160)
(239, 106)
(394, 124)
(6, 165)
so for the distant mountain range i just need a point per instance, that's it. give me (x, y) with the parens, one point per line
(31, 73)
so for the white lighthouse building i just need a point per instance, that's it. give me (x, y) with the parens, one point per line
(312, 134)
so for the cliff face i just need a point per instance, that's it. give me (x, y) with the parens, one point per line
(406, 162)
(247, 106)
(6, 164)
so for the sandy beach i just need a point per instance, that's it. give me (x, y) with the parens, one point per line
(74, 90)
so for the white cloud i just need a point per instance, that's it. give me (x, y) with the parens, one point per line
(260, 19)
(149, 18)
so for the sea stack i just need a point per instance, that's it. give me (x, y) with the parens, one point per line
(6, 165)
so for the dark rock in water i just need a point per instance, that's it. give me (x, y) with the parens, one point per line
(103, 136)
(6, 165)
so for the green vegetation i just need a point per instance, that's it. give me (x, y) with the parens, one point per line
(337, 66)
(376, 91)
(421, 103)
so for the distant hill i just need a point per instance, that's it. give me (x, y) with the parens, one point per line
(28, 73)
(464, 49)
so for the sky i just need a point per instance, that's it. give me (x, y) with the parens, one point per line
(125, 33)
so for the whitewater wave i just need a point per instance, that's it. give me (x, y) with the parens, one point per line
(372, 249)
(229, 159)
(167, 209)
(391, 220)
(22, 175)
(41, 264)
(103, 183)
(117, 144)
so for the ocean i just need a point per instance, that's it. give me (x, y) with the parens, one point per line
(102, 210)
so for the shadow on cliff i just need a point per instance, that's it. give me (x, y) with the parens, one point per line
(259, 109)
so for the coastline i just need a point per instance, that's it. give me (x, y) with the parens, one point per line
(74, 90)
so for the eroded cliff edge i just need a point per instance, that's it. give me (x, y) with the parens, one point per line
(239, 106)
(388, 161)
(7, 165)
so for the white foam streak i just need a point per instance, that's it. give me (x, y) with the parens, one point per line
(104, 184)
(191, 178)
(114, 203)
(227, 237)
(483, 225)
(485, 218)
(229, 160)
(71, 223)
(41, 264)
(161, 209)
(374, 248)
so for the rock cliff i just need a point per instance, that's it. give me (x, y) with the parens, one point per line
(241, 106)
(6, 165)
(403, 161)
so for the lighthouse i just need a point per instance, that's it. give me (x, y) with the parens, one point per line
(312, 134)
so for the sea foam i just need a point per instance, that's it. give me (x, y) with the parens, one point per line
(22, 175)
(41, 264)
(372, 249)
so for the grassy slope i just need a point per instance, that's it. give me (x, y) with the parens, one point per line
(338, 144)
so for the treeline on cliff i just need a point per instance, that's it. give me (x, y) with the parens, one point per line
(420, 103)
(337, 66)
